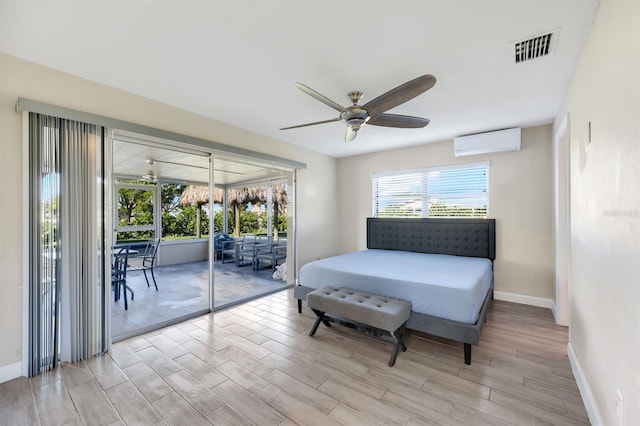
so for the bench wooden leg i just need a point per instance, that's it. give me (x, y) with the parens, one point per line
(320, 318)
(398, 337)
(299, 306)
(394, 354)
(402, 334)
(315, 326)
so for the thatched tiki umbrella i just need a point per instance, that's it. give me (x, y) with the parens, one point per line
(257, 195)
(236, 198)
(199, 195)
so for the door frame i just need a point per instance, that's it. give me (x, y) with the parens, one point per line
(562, 222)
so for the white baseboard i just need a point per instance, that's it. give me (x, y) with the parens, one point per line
(523, 299)
(585, 390)
(553, 310)
(10, 372)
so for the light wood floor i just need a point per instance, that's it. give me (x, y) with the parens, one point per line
(255, 364)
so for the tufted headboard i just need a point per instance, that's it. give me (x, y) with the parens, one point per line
(460, 237)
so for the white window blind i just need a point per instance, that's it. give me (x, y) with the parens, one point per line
(455, 191)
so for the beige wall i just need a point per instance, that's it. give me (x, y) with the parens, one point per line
(520, 199)
(316, 185)
(605, 210)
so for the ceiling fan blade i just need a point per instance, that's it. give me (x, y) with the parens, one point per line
(311, 124)
(350, 134)
(309, 91)
(400, 94)
(395, 120)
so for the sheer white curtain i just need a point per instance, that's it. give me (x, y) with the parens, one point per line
(67, 278)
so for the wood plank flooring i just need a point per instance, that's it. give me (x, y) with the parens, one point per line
(255, 365)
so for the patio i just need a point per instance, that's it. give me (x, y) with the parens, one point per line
(183, 291)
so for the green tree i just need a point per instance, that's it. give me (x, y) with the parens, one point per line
(231, 218)
(248, 222)
(398, 211)
(282, 223)
(170, 196)
(218, 221)
(135, 206)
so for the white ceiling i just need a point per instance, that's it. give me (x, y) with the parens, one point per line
(237, 61)
(135, 155)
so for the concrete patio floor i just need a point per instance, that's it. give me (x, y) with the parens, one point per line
(183, 290)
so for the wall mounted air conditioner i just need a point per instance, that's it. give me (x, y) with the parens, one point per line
(486, 143)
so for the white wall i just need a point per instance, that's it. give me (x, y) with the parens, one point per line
(605, 211)
(520, 199)
(178, 252)
(316, 185)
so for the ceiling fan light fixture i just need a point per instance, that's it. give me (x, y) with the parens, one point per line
(356, 123)
(151, 175)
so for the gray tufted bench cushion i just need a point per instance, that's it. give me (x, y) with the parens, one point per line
(376, 311)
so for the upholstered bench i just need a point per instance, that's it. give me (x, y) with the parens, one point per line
(383, 313)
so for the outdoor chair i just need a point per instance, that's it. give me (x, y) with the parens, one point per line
(229, 248)
(119, 275)
(219, 241)
(246, 249)
(240, 249)
(149, 260)
(272, 253)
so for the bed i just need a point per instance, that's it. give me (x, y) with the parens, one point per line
(443, 266)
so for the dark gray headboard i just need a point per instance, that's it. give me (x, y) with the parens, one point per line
(460, 237)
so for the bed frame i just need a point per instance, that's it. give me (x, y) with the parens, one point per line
(459, 237)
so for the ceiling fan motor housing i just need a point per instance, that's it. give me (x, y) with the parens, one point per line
(355, 116)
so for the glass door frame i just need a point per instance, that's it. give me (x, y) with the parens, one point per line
(112, 198)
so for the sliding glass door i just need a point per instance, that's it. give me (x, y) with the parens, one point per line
(191, 198)
(160, 192)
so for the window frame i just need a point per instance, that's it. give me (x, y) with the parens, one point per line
(155, 188)
(425, 195)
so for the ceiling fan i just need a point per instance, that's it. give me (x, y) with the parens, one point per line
(373, 112)
(151, 175)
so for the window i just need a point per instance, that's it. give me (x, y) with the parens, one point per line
(135, 211)
(449, 191)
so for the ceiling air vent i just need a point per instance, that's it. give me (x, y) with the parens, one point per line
(535, 47)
